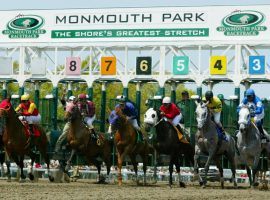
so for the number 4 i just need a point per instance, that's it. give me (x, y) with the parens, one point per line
(218, 65)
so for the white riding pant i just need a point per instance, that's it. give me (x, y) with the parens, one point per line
(89, 121)
(259, 117)
(31, 119)
(216, 116)
(176, 119)
(134, 123)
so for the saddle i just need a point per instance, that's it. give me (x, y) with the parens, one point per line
(180, 135)
(27, 130)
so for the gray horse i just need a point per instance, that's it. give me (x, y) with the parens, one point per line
(249, 145)
(208, 144)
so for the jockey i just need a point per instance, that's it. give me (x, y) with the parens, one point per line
(29, 113)
(171, 112)
(71, 101)
(130, 111)
(215, 106)
(256, 109)
(87, 109)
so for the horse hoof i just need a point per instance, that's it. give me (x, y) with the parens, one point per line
(51, 178)
(31, 176)
(201, 183)
(255, 184)
(22, 180)
(182, 184)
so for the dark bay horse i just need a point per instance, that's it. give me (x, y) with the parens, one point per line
(80, 140)
(16, 143)
(126, 144)
(167, 142)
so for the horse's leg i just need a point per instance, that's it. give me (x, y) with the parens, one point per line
(45, 155)
(68, 165)
(255, 170)
(249, 176)
(8, 166)
(233, 168)
(219, 166)
(108, 162)
(177, 165)
(119, 167)
(145, 159)
(30, 172)
(211, 152)
(23, 177)
(172, 161)
(196, 165)
(135, 166)
(98, 166)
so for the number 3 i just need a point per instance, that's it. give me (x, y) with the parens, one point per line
(257, 64)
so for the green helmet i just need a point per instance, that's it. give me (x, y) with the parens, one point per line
(220, 96)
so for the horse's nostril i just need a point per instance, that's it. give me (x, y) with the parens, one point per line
(153, 115)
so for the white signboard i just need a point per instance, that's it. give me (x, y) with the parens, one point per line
(5, 66)
(227, 24)
(38, 66)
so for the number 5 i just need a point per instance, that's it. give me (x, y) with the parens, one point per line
(180, 65)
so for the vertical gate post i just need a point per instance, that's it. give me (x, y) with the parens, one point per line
(103, 106)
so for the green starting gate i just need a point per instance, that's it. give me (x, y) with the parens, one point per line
(229, 115)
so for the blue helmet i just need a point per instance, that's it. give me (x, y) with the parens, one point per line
(250, 92)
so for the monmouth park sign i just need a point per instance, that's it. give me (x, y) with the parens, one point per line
(225, 24)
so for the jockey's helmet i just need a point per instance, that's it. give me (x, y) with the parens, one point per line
(82, 96)
(250, 92)
(220, 96)
(209, 95)
(184, 92)
(72, 98)
(25, 97)
(166, 100)
(122, 99)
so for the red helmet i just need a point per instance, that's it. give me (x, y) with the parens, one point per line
(82, 96)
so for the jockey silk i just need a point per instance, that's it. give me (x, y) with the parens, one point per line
(28, 109)
(215, 105)
(171, 111)
(88, 109)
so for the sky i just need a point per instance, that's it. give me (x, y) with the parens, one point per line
(62, 4)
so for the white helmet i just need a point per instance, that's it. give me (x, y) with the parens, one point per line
(166, 100)
(71, 98)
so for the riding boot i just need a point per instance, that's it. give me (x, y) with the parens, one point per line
(178, 126)
(31, 139)
(262, 135)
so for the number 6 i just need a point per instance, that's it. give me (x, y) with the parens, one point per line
(144, 65)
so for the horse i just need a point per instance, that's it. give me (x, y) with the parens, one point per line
(16, 142)
(249, 145)
(207, 142)
(126, 144)
(167, 141)
(80, 140)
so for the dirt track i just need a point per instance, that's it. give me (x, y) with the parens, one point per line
(87, 189)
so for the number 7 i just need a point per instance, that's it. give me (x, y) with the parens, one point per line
(109, 64)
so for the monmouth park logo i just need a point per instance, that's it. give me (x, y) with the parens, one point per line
(25, 26)
(242, 23)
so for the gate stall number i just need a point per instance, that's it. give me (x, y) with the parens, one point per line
(73, 66)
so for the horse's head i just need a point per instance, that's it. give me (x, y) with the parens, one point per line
(150, 119)
(201, 113)
(72, 112)
(244, 118)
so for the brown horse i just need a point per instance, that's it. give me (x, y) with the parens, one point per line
(126, 144)
(80, 140)
(16, 142)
